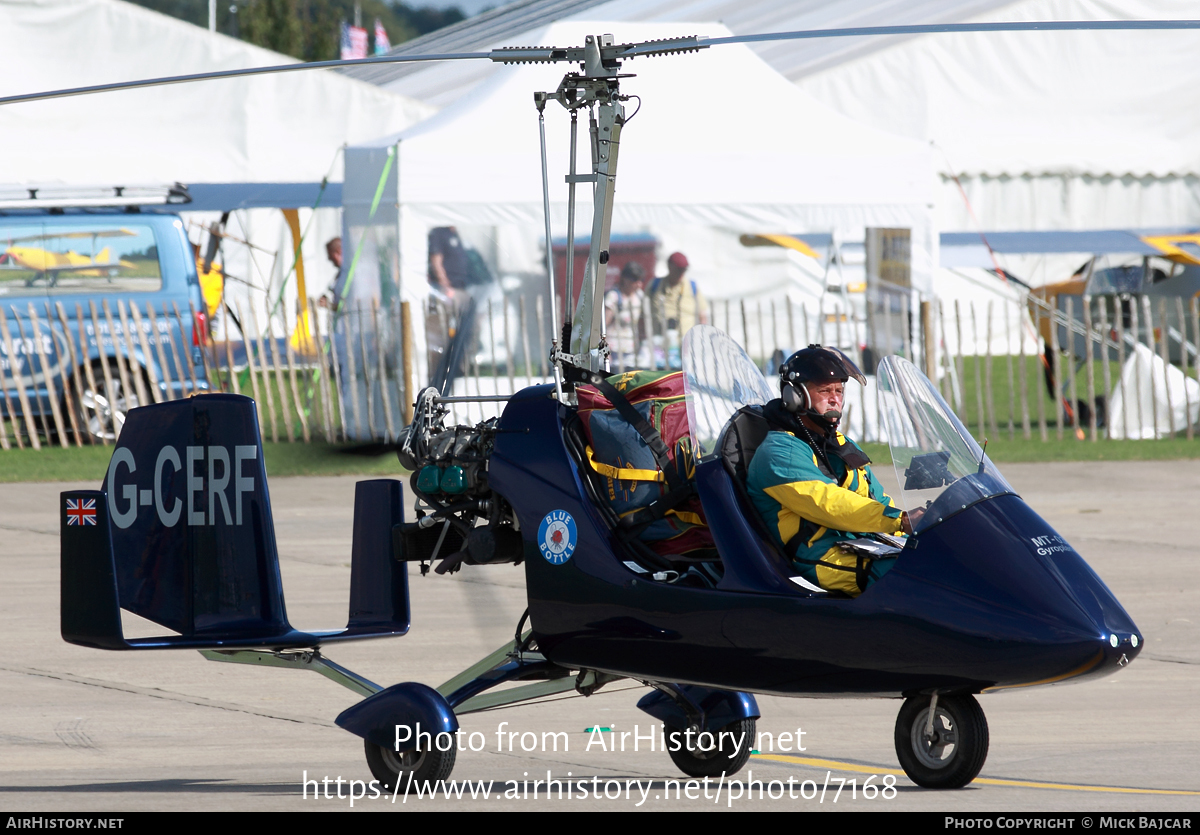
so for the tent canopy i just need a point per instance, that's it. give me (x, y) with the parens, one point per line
(285, 130)
(1046, 130)
(716, 139)
(1010, 103)
(279, 128)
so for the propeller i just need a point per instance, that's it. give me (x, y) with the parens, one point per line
(610, 56)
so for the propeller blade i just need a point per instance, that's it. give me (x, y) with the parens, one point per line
(942, 28)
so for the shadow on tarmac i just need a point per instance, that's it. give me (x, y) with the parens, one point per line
(159, 786)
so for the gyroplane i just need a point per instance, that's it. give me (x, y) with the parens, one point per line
(984, 595)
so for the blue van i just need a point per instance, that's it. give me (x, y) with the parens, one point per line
(102, 312)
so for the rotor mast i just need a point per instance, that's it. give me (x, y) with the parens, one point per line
(582, 340)
(596, 88)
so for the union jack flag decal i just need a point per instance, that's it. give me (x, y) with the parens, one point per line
(81, 511)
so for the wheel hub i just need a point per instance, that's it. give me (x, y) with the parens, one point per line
(934, 750)
(105, 416)
(403, 761)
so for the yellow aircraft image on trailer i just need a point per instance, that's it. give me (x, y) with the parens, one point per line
(47, 264)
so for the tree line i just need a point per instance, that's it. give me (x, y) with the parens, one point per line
(307, 29)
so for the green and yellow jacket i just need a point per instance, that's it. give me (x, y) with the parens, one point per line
(823, 501)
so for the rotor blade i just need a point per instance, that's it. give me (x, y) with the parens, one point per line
(523, 55)
(207, 76)
(940, 28)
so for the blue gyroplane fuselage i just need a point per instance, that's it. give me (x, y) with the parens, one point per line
(984, 596)
(990, 597)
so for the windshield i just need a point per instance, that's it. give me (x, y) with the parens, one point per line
(718, 379)
(938, 464)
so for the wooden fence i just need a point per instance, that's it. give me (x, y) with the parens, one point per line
(68, 376)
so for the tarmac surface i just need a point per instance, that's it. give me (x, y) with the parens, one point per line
(87, 730)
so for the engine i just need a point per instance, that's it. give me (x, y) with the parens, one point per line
(459, 518)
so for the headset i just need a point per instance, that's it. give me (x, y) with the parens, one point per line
(794, 396)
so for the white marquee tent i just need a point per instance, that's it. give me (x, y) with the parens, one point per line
(280, 128)
(1048, 130)
(721, 142)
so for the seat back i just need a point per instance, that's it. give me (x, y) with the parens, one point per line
(763, 566)
(740, 439)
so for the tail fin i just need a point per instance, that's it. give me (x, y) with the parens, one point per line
(182, 535)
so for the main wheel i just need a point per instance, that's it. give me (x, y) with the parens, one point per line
(952, 755)
(712, 754)
(390, 766)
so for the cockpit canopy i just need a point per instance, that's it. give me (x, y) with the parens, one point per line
(938, 464)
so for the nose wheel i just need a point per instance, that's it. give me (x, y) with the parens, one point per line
(941, 742)
(712, 754)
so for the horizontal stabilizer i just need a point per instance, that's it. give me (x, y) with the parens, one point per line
(182, 535)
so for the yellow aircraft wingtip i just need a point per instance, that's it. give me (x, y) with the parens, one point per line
(785, 241)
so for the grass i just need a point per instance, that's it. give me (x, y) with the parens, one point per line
(89, 463)
(1006, 402)
(322, 459)
(1006, 399)
(281, 404)
(318, 458)
(1002, 450)
(283, 459)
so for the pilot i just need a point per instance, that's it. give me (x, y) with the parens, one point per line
(812, 486)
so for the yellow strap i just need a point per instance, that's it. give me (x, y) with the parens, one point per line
(683, 516)
(688, 516)
(623, 473)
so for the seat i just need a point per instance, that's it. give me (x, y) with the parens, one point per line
(738, 442)
(736, 447)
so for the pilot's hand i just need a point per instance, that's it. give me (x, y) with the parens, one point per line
(910, 518)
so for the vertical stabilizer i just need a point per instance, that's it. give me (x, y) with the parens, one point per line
(181, 534)
(378, 584)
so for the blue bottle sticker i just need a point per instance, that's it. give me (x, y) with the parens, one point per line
(557, 537)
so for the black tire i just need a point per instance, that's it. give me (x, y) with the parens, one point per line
(388, 766)
(954, 755)
(730, 750)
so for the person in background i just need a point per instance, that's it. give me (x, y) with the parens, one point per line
(212, 283)
(675, 302)
(449, 269)
(623, 317)
(449, 311)
(333, 251)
